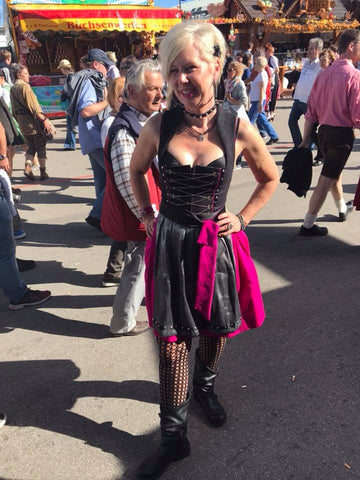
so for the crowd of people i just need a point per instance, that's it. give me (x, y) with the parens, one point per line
(161, 179)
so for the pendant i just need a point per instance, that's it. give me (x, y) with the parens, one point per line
(200, 138)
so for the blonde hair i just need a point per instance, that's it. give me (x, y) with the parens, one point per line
(111, 56)
(207, 38)
(261, 61)
(116, 88)
(238, 67)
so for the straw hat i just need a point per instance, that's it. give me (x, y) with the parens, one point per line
(64, 64)
(111, 56)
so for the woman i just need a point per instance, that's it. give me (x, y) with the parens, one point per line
(115, 99)
(258, 100)
(113, 71)
(235, 90)
(66, 69)
(31, 119)
(273, 63)
(196, 143)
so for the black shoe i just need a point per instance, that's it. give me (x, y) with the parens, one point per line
(272, 140)
(93, 222)
(317, 163)
(349, 208)
(31, 297)
(25, 265)
(174, 444)
(110, 280)
(43, 175)
(314, 231)
(204, 380)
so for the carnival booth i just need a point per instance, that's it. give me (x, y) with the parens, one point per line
(47, 31)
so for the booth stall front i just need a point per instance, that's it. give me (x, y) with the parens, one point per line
(47, 31)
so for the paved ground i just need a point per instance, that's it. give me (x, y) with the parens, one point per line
(84, 406)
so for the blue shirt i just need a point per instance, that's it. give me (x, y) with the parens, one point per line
(89, 128)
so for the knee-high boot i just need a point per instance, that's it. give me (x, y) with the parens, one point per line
(174, 444)
(203, 381)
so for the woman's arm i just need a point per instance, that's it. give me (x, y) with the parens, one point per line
(262, 96)
(264, 170)
(141, 160)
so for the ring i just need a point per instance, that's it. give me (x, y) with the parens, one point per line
(229, 226)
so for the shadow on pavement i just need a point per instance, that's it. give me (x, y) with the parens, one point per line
(41, 393)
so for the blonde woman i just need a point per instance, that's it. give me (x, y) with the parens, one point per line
(191, 291)
(113, 71)
(257, 99)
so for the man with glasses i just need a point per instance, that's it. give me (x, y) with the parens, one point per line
(92, 108)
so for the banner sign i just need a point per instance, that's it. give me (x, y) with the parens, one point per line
(92, 18)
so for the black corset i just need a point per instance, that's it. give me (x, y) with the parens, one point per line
(191, 195)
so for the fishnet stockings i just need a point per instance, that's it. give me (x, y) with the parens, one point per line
(210, 350)
(174, 371)
(174, 366)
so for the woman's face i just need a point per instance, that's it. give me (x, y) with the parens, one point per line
(231, 73)
(324, 61)
(24, 75)
(118, 102)
(193, 78)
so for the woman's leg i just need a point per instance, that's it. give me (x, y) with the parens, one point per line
(174, 372)
(206, 370)
(210, 350)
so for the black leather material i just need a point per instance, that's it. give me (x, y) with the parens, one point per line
(203, 381)
(174, 444)
(206, 187)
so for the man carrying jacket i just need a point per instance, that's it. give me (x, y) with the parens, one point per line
(121, 216)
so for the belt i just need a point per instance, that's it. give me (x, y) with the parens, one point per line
(22, 111)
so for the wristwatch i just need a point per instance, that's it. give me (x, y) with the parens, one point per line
(2, 157)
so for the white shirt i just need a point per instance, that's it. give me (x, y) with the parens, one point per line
(255, 89)
(307, 78)
(105, 128)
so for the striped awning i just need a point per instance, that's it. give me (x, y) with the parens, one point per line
(95, 17)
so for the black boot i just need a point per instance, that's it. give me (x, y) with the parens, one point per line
(203, 381)
(174, 444)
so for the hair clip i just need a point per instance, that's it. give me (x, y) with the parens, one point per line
(217, 50)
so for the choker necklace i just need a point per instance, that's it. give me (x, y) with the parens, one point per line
(201, 115)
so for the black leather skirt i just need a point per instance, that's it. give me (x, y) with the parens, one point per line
(175, 284)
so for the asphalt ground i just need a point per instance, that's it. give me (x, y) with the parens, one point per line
(81, 405)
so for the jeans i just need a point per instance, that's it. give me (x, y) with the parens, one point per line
(298, 109)
(98, 166)
(261, 120)
(70, 141)
(10, 280)
(131, 289)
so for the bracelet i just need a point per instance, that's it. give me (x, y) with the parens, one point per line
(147, 210)
(243, 226)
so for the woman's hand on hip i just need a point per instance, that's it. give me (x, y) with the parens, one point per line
(148, 221)
(228, 223)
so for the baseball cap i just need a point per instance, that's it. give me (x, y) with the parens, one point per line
(64, 64)
(98, 55)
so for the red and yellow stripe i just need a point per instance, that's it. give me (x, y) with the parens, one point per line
(95, 18)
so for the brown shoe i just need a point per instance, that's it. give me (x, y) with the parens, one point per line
(140, 327)
(29, 175)
(43, 175)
